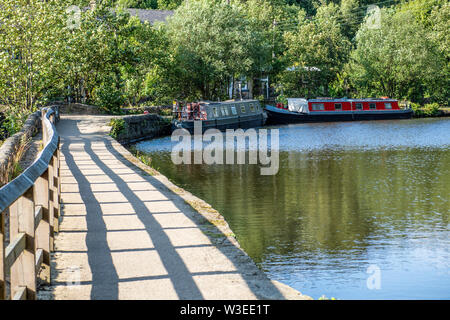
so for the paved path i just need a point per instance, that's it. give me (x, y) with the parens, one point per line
(125, 235)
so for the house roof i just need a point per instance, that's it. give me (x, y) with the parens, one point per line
(151, 15)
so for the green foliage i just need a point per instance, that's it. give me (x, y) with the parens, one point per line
(139, 4)
(27, 36)
(217, 45)
(306, 48)
(15, 171)
(431, 109)
(107, 97)
(15, 118)
(169, 4)
(117, 127)
(315, 53)
(395, 60)
(165, 112)
(282, 99)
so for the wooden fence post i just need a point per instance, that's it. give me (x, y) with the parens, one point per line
(2, 257)
(23, 271)
(56, 188)
(41, 198)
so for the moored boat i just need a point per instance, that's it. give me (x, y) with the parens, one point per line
(328, 109)
(231, 114)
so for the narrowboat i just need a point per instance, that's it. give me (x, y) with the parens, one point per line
(329, 109)
(232, 114)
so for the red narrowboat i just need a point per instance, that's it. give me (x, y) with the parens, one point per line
(329, 109)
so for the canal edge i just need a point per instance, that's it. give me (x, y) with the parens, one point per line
(206, 216)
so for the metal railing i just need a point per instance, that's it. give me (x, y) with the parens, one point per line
(32, 201)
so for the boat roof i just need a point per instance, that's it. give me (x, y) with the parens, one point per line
(350, 100)
(228, 101)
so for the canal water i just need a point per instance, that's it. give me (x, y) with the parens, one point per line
(357, 210)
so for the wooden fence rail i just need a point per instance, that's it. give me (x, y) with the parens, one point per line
(33, 203)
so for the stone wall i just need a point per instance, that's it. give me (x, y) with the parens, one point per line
(130, 129)
(79, 108)
(12, 147)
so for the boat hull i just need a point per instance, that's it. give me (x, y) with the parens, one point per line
(280, 116)
(252, 121)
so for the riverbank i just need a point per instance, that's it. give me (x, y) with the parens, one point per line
(127, 232)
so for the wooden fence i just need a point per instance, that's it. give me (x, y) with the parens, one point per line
(32, 201)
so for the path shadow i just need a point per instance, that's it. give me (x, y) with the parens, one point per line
(105, 280)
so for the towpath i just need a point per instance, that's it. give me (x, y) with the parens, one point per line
(128, 234)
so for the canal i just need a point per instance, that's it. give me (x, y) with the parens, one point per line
(357, 210)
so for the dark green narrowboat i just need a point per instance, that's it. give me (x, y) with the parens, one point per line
(232, 114)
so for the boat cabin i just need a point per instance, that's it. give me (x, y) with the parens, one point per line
(330, 104)
(327, 104)
(217, 110)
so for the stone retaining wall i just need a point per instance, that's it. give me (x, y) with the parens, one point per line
(130, 129)
(10, 148)
(14, 147)
(79, 108)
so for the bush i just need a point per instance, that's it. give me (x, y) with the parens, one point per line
(431, 109)
(108, 98)
(165, 112)
(282, 99)
(418, 112)
(118, 126)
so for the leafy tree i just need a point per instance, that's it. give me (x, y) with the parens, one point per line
(272, 18)
(26, 34)
(138, 4)
(396, 60)
(315, 53)
(212, 42)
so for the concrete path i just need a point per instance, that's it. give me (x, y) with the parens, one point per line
(125, 235)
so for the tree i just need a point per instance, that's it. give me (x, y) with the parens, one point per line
(211, 42)
(28, 32)
(396, 60)
(315, 53)
(169, 4)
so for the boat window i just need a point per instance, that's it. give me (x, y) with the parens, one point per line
(225, 111)
(318, 106)
(216, 114)
(387, 105)
(233, 110)
(337, 106)
(372, 106)
(242, 108)
(252, 108)
(359, 106)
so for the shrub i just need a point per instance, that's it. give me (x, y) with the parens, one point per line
(165, 112)
(431, 109)
(117, 127)
(108, 98)
(418, 112)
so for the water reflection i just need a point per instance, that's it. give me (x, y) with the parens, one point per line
(347, 196)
